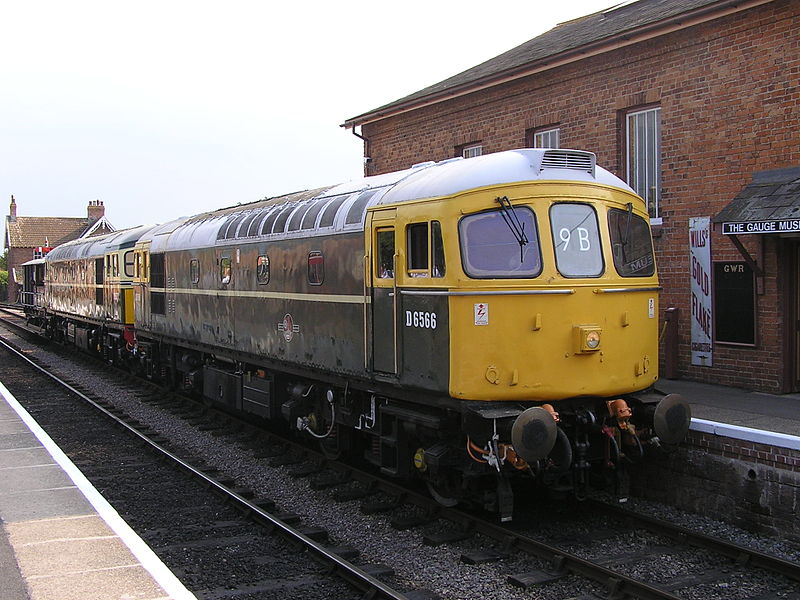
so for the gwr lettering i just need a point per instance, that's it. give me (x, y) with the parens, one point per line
(423, 320)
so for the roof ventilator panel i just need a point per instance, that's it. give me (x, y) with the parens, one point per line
(568, 159)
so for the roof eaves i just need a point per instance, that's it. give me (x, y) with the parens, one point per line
(607, 44)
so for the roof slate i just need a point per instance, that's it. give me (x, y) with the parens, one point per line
(32, 232)
(773, 195)
(614, 21)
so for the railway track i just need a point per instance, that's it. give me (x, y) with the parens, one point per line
(545, 567)
(212, 534)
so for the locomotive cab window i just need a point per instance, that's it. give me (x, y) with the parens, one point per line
(500, 244)
(632, 246)
(262, 270)
(194, 271)
(577, 240)
(425, 252)
(385, 257)
(417, 240)
(437, 250)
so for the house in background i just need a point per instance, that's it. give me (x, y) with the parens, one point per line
(695, 104)
(28, 238)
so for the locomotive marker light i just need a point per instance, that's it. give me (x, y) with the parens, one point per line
(587, 338)
(533, 434)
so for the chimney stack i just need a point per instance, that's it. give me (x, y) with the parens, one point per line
(95, 210)
(12, 210)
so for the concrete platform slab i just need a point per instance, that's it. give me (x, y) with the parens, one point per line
(60, 539)
(43, 504)
(24, 457)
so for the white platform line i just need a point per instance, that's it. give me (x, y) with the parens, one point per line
(747, 434)
(144, 554)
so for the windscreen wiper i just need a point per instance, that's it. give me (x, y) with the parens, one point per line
(514, 224)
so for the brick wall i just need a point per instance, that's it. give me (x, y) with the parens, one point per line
(16, 257)
(754, 486)
(729, 92)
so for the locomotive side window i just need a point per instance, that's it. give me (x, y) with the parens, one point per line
(194, 270)
(385, 239)
(417, 249)
(316, 268)
(262, 270)
(437, 250)
(329, 214)
(490, 248)
(269, 220)
(158, 279)
(310, 218)
(98, 279)
(297, 217)
(577, 240)
(631, 244)
(225, 270)
(356, 212)
(127, 259)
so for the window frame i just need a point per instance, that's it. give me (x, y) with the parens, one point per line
(194, 271)
(225, 270)
(613, 213)
(643, 164)
(260, 279)
(536, 245)
(316, 267)
(384, 263)
(558, 240)
(537, 137)
(470, 150)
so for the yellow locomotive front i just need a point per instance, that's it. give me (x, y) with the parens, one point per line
(560, 294)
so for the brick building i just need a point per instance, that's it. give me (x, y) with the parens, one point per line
(695, 103)
(29, 237)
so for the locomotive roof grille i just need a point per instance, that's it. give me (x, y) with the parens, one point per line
(569, 159)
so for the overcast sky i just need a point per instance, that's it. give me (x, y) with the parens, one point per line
(171, 107)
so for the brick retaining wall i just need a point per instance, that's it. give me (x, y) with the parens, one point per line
(754, 486)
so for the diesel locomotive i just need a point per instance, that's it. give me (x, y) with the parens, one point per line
(465, 323)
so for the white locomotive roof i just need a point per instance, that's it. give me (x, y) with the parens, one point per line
(529, 164)
(343, 207)
(97, 246)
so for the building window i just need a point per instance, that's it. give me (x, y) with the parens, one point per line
(471, 150)
(734, 303)
(316, 268)
(643, 134)
(546, 138)
(262, 270)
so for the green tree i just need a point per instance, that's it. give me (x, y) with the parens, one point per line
(4, 275)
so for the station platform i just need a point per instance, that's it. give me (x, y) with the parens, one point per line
(742, 414)
(59, 538)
